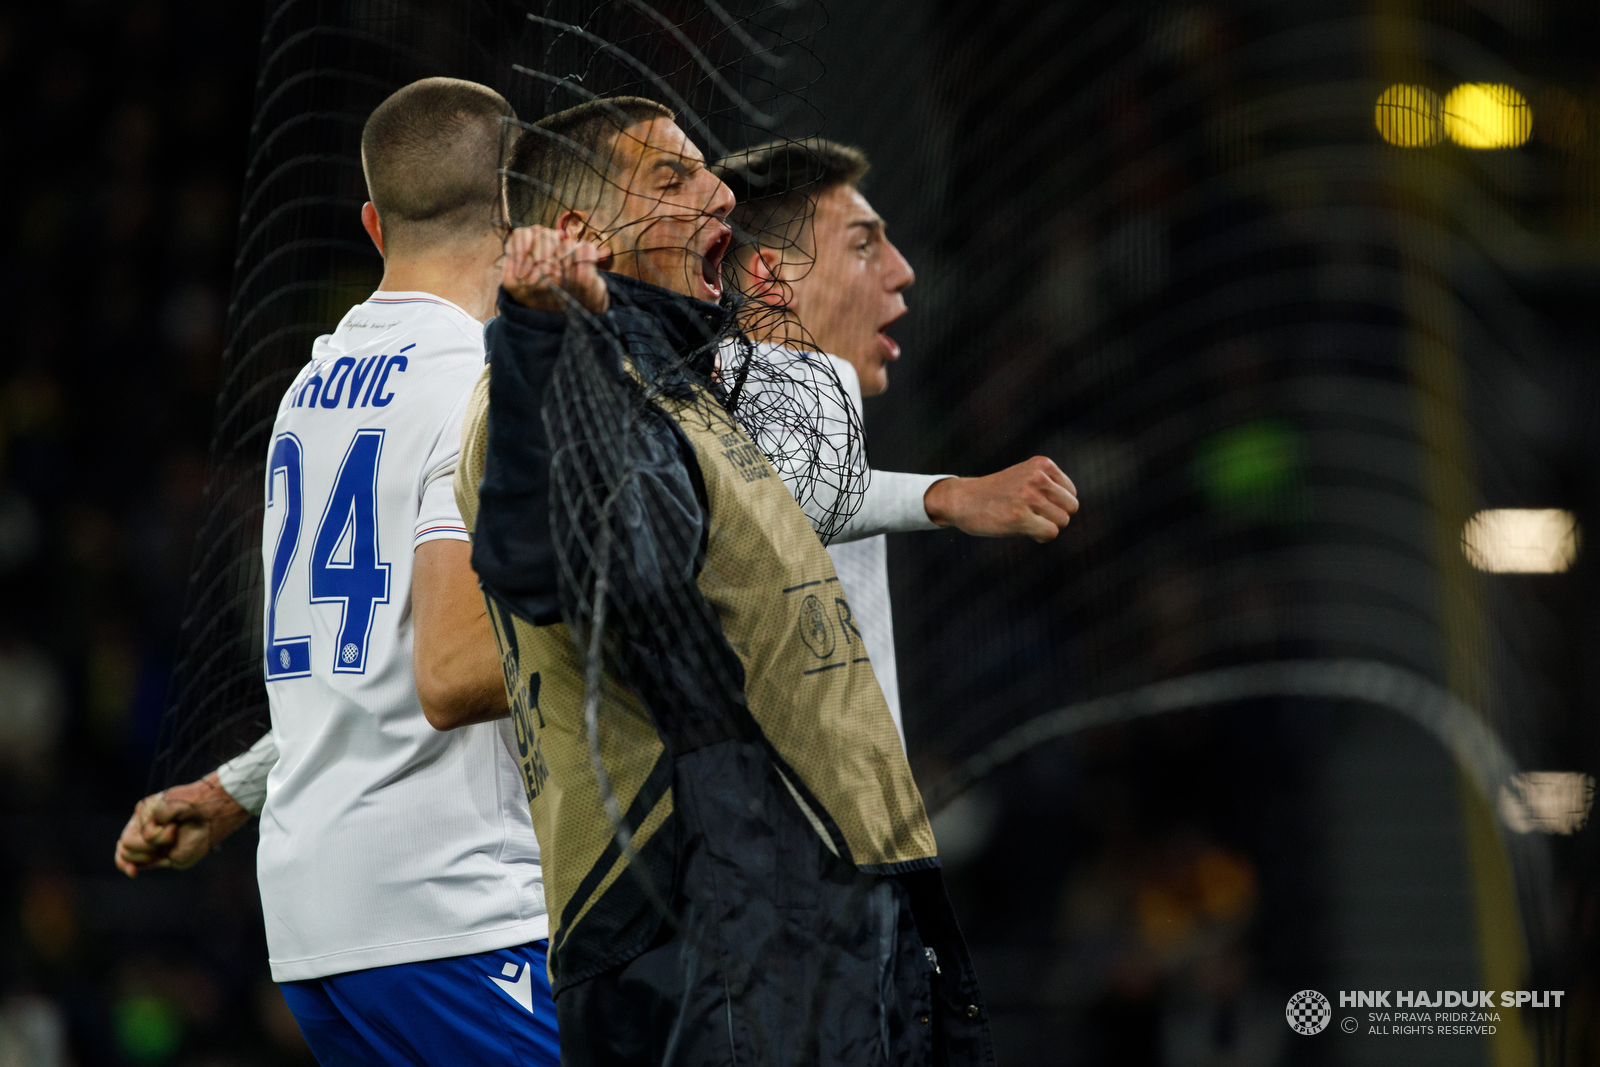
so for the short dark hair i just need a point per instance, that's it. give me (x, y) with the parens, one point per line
(561, 163)
(777, 185)
(431, 153)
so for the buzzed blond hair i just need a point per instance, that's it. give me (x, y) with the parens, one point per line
(431, 153)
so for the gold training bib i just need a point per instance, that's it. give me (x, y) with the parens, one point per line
(808, 682)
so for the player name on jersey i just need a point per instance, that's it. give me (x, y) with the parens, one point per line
(368, 379)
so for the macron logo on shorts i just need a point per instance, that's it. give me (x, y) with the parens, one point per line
(521, 990)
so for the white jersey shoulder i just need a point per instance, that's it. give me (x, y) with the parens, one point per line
(359, 473)
(831, 402)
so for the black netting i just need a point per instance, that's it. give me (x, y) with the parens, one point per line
(628, 529)
(1190, 252)
(732, 76)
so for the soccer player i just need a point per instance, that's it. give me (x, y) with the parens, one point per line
(398, 866)
(810, 245)
(749, 750)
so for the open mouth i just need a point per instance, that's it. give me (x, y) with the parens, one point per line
(891, 347)
(711, 263)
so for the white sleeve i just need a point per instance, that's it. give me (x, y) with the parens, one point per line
(891, 504)
(244, 778)
(438, 518)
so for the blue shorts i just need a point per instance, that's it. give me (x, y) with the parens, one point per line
(490, 1009)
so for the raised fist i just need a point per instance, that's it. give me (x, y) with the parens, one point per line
(544, 269)
(1032, 499)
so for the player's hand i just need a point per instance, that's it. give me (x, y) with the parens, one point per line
(1033, 499)
(540, 261)
(176, 828)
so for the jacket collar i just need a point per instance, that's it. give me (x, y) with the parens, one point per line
(687, 324)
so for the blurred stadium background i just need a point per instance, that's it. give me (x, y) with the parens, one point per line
(1290, 305)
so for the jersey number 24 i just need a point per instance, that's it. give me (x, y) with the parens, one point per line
(345, 568)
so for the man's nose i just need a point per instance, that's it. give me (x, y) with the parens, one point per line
(721, 201)
(899, 276)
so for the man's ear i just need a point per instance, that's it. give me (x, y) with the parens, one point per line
(767, 281)
(574, 225)
(371, 223)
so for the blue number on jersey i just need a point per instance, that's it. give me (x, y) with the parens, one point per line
(287, 657)
(344, 557)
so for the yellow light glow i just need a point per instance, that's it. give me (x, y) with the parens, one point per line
(1409, 116)
(1551, 802)
(1479, 115)
(1521, 541)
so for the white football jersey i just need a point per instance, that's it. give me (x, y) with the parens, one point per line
(383, 840)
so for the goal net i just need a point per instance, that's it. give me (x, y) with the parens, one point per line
(1257, 276)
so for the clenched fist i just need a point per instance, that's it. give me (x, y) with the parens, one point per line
(1032, 499)
(544, 268)
(177, 827)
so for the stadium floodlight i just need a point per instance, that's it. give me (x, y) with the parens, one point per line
(1521, 540)
(1409, 116)
(1480, 115)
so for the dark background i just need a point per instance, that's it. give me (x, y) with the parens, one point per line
(1285, 362)
(1157, 241)
(124, 135)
